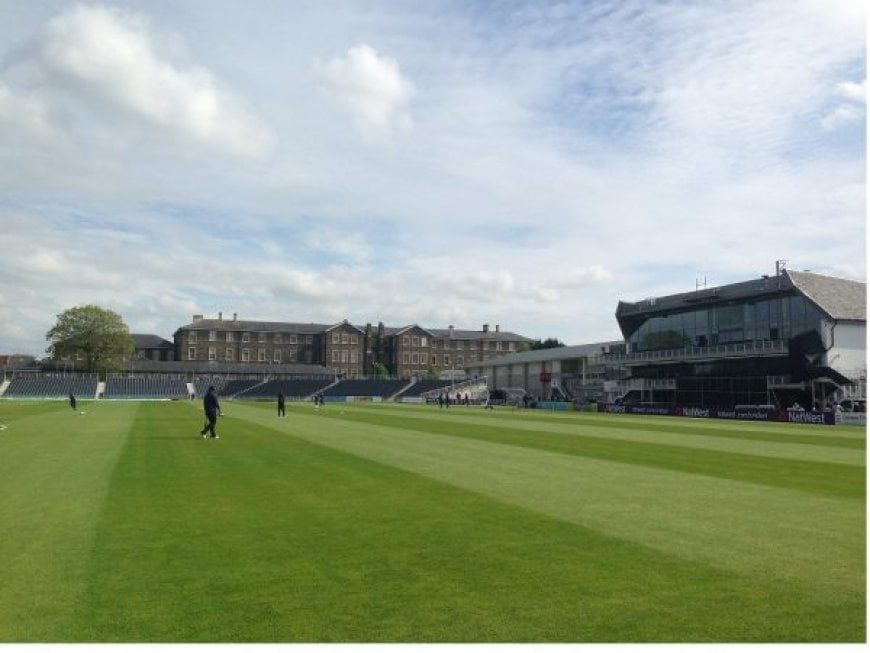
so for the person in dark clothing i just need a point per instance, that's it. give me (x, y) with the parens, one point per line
(72, 401)
(281, 411)
(211, 406)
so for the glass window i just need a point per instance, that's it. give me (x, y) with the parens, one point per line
(212, 335)
(191, 353)
(212, 353)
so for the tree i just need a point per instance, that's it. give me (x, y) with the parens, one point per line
(380, 371)
(549, 343)
(96, 334)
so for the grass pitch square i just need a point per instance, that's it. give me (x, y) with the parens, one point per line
(394, 523)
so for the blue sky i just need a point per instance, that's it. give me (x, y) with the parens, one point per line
(527, 164)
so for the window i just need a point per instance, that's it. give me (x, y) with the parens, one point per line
(229, 354)
(415, 358)
(276, 357)
(415, 341)
(212, 335)
(345, 338)
(192, 338)
(354, 339)
(354, 356)
(459, 344)
(212, 353)
(230, 336)
(191, 353)
(261, 337)
(446, 359)
(293, 339)
(334, 355)
(261, 355)
(406, 340)
(309, 339)
(277, 339)
(344, 355)
(246, 355)
(246, 337)
(406, 358)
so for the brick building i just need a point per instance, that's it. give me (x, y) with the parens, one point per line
(351, 350)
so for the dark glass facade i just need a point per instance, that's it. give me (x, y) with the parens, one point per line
(779, 318)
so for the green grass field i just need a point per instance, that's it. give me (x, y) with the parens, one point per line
(391, 523)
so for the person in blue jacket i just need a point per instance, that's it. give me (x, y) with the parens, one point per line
(211, 406)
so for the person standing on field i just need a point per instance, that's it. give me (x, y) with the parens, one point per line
(281, 411)
(72, 401)
(211, 406)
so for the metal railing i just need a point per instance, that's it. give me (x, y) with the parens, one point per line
(739, 350)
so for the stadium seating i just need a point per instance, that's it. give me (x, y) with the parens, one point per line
(384, 388)
(425, 385)
(292, 389)
(145, 387)
(52, 387)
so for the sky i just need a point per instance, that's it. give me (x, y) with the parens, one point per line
(522, 163)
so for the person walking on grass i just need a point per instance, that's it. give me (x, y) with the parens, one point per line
(281, 411)
(72, 401)
(211, 406)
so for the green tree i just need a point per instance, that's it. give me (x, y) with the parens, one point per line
(97, 334)
(549, 343)
(380, 371)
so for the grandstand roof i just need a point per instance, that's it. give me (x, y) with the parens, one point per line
(550, 354)
(841, 299)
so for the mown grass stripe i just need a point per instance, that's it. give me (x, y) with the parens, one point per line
(265, 537)
(55, 466)
(748, 528)
(736, 436)
(819, 477)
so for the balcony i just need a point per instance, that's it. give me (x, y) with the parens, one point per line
(752, 349)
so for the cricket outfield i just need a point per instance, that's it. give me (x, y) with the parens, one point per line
(397, 523)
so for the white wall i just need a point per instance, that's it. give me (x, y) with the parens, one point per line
(849, 353)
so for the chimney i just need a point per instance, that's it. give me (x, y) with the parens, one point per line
(450, 331)
(220, 317)
(235, 317)
(197, 318)
(496, 328)
(486, 328)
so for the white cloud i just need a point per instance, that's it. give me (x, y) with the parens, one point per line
(851, 112)
(855, 91)
(114, 59)
(370, 86)
(23, 116)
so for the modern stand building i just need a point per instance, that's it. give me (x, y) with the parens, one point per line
(795, 337)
